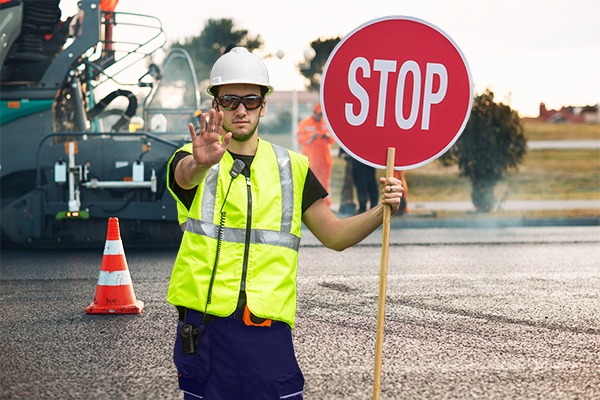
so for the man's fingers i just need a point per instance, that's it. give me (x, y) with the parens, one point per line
(226, 140)
(211, 120)
(391, 188)
(192, 132)
(215, 121)
(389, 181)
(219, 122)
(202, 129)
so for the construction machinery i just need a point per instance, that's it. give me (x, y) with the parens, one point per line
(78, 146)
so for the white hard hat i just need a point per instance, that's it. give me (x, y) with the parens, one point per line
(239, 66)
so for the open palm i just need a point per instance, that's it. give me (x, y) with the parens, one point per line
(208, 148)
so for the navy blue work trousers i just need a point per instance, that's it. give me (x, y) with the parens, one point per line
(235, 361)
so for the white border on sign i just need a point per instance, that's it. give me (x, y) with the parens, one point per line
(462, 56)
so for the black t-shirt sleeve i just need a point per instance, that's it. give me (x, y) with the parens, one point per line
(313, 190)
(185, 196)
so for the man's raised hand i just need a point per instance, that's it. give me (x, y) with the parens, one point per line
(207, 146)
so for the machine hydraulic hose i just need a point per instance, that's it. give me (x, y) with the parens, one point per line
(129, 112)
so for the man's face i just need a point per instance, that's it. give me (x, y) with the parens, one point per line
(317, 116)
(242, 123)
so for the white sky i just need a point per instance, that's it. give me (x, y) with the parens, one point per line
(526, 51)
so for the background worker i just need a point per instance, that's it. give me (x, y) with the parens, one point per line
(366, 185)
(234, 279)
(316, 141)
(404, 201)
(347, 205)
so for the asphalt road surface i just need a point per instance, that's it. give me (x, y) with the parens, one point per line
(470, 314)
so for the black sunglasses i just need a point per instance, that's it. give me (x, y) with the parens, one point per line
(231, 102)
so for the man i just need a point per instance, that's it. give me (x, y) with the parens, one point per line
(366, 185)
(234, 279)
(316, 141)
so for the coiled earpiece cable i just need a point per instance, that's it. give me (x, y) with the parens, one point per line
(238, 166)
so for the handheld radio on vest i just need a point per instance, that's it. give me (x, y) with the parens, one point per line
(238, 166)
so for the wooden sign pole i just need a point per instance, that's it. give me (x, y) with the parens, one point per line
(387, 213)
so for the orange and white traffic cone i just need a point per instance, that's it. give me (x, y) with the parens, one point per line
(114, 292)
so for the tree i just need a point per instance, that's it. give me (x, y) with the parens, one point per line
(314, 71)
(492, 142)
(217, 34)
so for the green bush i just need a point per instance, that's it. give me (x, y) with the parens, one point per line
(492, 142)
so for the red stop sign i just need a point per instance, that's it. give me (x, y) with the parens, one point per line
(396, 82)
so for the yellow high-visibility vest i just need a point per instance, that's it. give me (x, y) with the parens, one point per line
(260, 237)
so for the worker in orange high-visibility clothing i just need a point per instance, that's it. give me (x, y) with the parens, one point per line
(316, 141)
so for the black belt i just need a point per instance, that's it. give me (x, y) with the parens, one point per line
(237, 314)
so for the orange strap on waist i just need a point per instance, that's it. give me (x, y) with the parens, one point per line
(252, 320)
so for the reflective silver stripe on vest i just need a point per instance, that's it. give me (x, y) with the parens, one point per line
(287, 188)
(238, 235)
(209, 197)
